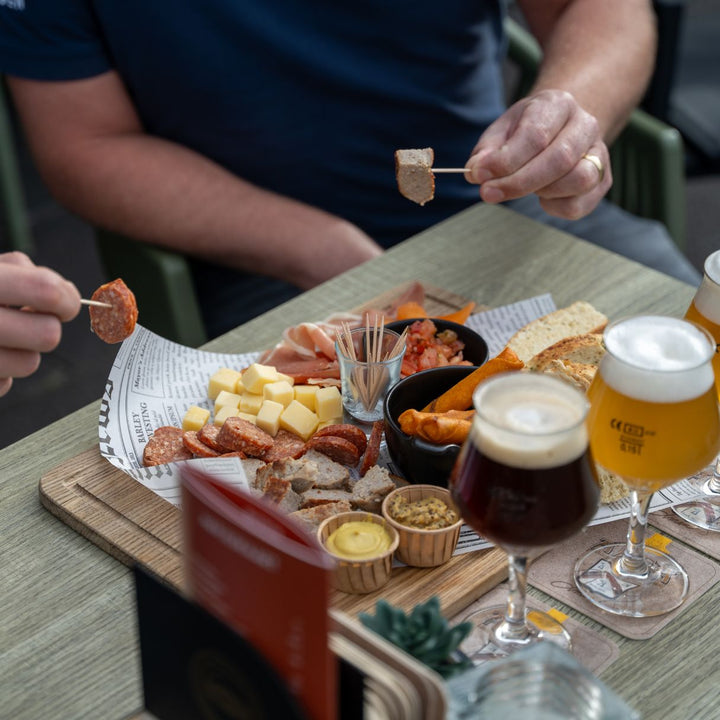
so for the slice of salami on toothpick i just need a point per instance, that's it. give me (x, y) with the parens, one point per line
(115, 323)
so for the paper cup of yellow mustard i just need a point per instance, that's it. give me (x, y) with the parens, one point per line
(427, 522)
(363, 545)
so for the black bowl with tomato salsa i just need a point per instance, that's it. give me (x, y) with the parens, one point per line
(419, 461)
(450, 341)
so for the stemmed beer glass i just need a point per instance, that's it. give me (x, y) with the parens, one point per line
(704, 511)
(653, 420)
(525, 481)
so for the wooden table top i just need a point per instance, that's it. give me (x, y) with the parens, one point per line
(68, 646)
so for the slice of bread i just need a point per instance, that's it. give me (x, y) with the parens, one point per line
(575, 359)
(586, 349)
(612, 488)
(579, 318)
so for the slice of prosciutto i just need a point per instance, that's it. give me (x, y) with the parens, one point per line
(307, 351)
(300, 367)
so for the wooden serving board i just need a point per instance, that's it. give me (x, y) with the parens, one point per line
(133, 524)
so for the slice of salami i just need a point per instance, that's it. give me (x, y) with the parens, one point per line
(239, 434)
(285, 445)
(114, 324)
(336, 448)
(191, 440)
(208, 434)
(164, 446)
(348, 432)
(373, 447)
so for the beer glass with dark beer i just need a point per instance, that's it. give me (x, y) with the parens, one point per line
(525, 481)
(704, 510)
(653, 420)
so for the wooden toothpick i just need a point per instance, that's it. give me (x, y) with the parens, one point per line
(95, 303)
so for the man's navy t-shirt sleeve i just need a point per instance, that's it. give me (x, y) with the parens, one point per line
(50, 40)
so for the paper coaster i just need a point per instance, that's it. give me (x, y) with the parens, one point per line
(552, 573)
(589, 647)
(707, 541)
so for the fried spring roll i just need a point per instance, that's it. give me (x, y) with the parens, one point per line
(438, 428)
(459, 396)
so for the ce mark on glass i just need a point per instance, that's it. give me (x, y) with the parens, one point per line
(635, 431)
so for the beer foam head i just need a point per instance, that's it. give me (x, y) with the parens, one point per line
(529, 420)
(707, 299)
(712, 267)
(657, 359)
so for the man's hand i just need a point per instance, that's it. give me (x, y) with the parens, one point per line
(540, 145)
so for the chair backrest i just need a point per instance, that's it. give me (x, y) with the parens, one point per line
(648, 158)
(162, 283)
(16, 223)
(648, 161)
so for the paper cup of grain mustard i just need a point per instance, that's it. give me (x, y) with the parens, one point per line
(363, 545)
(427, 522)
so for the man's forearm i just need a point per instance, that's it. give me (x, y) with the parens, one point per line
(602, 52)
(96, 159)
(155, 190)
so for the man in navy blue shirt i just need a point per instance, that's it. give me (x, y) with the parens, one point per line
(258, 137)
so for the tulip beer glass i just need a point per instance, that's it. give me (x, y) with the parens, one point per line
(704, 510)
(653, 420)
(525, 481)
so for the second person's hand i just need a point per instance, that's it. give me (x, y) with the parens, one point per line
(34, 302)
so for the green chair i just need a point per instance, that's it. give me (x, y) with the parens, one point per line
(12, 196)
(648, 158)
(162, 283)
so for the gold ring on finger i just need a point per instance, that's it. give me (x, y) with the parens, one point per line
(597, 162)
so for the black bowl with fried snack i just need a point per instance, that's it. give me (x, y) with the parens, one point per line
(415, 459)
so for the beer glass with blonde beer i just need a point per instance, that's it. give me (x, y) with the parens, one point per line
(704, 510)
(653, 420)
(524, 480)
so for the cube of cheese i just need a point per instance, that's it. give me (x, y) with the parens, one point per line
(280, 391)
(250, 402)
(328, 403)
(268, 417)
(224, 413)
(258, 375)
(305, 394)
(289, 378)
(327, 423)
(227, 411)
(239, 387)
(226, 398)
(297, 418)
(222, 379)
(195, 417)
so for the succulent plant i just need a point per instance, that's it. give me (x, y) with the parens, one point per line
(423, 633)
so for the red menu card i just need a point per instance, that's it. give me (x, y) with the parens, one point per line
(252, 567)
